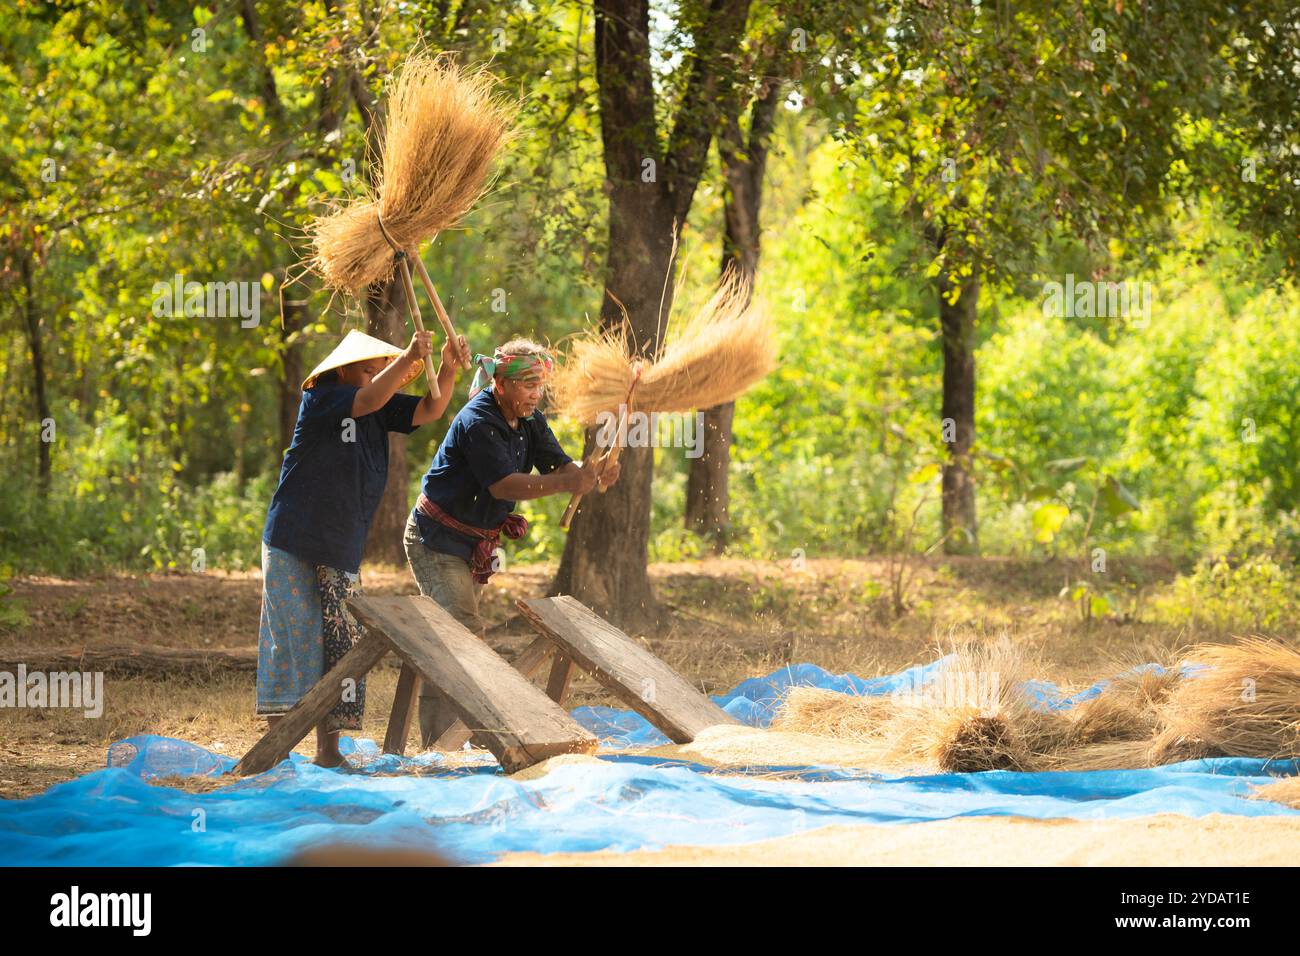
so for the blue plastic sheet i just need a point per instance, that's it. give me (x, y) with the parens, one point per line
(754, 701)
(624, 802)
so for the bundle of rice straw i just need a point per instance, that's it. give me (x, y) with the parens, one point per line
(1237, 700)
(444, 128)
(1114, 730)
(1243, 701)
(1126, 709)
(974, 716)
(711, 358)
(981, 719)
(829, 713)
(977, 716)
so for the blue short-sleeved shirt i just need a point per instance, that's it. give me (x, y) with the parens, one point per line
(480, 449)
(329, 485)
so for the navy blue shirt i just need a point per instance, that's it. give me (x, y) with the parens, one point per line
(480, 449)
(329, 485)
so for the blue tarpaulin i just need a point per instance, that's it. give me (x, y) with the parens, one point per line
(623, 802)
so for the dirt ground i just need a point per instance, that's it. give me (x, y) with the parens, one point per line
(729, 620)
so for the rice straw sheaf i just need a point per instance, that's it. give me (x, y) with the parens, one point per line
(711, 358)
(445, 126)
(983, 719)
(977, 716)
(829, 713)
(1243, 701)
(1128, 708)
(973, 716)
(1114, 730)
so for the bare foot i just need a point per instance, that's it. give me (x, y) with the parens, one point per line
(327, 748)
(329, 758)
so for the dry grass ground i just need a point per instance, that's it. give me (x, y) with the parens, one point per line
(731, 620)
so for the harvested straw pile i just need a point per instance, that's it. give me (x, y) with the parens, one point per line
(1126, 709)
(718, 352)
(1245, 702)
(1242, 700)
(974, 717)
(1113, 731)
(828, 713)
(445, 127)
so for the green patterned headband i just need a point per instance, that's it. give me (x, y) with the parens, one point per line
(532, 365)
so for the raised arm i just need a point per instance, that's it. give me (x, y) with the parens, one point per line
(374, 396)
(432, 407)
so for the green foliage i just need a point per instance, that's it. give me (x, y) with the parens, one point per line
(1257, 595)
(137, 526)
(1065, 158)
(12, 613)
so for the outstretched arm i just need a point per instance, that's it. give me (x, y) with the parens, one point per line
(570, 478)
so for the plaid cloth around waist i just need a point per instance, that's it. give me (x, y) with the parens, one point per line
(480, 562)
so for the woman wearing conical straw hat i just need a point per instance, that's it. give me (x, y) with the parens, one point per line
(482, 468)
(331, 482)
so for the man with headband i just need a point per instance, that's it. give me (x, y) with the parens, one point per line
(482, 468)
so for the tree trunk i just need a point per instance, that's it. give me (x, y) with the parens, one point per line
(957, 320)
(32, 322)
(386, 319)
(650, 190)
(605, 556)
(707, 491)
(293, 310)
(293, 313)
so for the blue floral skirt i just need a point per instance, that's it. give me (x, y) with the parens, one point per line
(305, 629)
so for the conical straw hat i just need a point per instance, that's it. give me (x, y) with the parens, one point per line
(359, 347)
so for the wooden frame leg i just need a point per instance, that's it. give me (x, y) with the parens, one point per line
(445, 730)
(451, 734)
(313, 707)
(404, 704)
(557, 684)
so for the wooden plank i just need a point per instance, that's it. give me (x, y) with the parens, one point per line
(557, 684)
(451, 734)
(634, 675)
(510, 716)
(399, 721)
(313, 707)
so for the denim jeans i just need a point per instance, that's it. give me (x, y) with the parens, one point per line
(446, 579)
